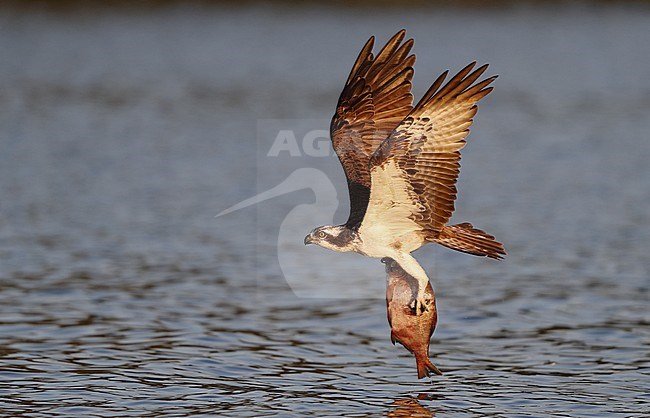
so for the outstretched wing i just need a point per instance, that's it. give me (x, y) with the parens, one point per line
(418, 165)
(375, 99)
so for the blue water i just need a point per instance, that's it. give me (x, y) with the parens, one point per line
(122, 134)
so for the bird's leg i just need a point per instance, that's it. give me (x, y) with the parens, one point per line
(411, 266)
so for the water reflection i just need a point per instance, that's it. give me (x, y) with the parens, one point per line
(410, 407)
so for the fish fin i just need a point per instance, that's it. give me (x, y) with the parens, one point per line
(393, 338)
(425, 367)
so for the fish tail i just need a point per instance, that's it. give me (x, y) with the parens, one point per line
(467, 239)
(425, 367)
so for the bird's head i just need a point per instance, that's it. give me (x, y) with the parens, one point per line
(336, 238)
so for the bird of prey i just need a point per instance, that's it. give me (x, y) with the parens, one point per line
(402, 161)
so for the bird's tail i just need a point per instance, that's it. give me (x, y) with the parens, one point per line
(467, 239)
(425, 367)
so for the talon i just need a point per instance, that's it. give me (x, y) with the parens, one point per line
(423, 305)
(419, 306)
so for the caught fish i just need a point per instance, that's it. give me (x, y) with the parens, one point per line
(407, 328)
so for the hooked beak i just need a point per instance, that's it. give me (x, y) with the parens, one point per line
(308, 239)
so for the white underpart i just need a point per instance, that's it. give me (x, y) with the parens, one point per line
(387, 229)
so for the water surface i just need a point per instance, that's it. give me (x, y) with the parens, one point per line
(122, 134)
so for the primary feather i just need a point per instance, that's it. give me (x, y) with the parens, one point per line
(375, 99)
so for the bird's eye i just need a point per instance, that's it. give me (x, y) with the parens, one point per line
(321, 234)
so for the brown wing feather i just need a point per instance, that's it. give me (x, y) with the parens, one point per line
(426, 145)
(375, 99)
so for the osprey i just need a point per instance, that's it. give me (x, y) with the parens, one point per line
(401, 162)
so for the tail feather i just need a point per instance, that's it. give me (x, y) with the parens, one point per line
(467, 239)
(425, 367)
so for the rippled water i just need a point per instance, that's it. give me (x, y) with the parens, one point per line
(122, 134)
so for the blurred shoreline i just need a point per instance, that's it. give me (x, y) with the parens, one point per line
(143, 5)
